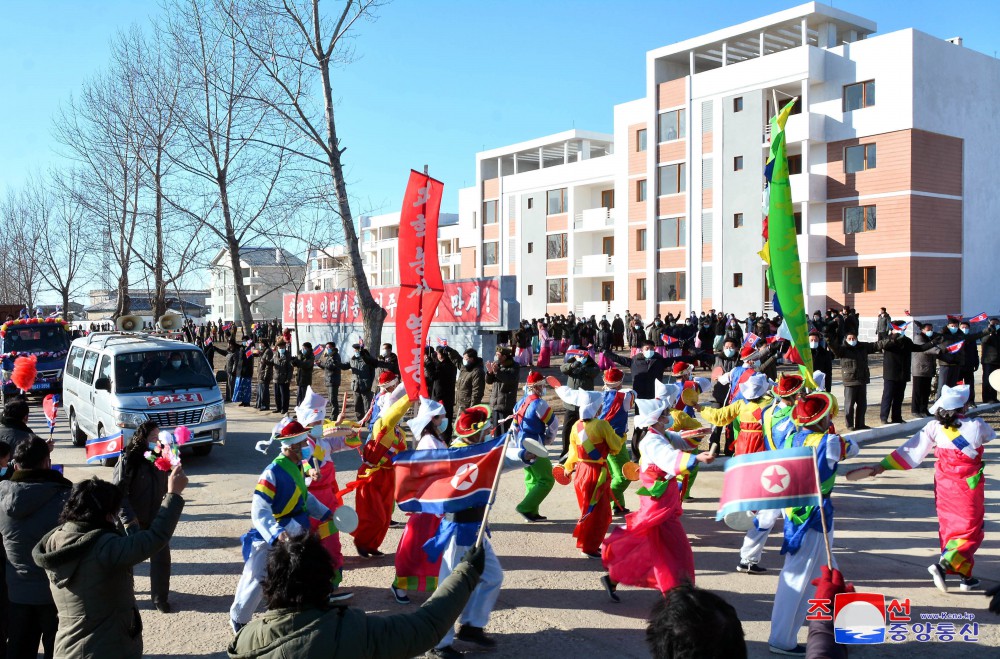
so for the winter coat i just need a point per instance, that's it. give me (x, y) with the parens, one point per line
(362, 371)
(442, 375)
(233, 360)
(504, 390)
(924, 364)
(970, 351)
(282, 368)
(581, 373)
(90, 570)
(30, 504)
(246, 366)
(265, 367)
(340, 632)
(14, 432)
(331, 369)
(143, 487)
(823, 362)
(470, 384)
(645, 372)
(852, 323)
(304, 368)
(882, 324)
(382, 364)
(898, 357)
(991, 346)
(854, 360)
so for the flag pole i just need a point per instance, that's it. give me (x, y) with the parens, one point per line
(493, 492)
(822, 514)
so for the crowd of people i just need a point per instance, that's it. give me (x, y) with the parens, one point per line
(70, 549)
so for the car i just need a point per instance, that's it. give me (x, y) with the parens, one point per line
(115, 381)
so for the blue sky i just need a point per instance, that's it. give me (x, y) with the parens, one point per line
(437, 80)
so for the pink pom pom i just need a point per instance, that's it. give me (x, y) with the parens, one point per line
(182, 434)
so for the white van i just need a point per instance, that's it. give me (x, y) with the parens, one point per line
(116, 380)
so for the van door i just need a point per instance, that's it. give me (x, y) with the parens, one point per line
(85, 416)
(103, 407)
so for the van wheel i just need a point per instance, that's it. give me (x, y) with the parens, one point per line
(77, 435)
(106, 462)
(202, 449)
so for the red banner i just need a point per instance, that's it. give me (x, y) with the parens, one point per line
(465, 302)
(420, 284)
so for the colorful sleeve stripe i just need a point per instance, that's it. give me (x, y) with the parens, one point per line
(895, 460)
(265, 489)
(549, 413)
(326, 529)
(684, 463)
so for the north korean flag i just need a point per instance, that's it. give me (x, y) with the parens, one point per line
(666, 338)
(771, 479)
(750, 340)
(446, 480)
(978, 319)
(104, 447)
(955, 347)
(318, 350)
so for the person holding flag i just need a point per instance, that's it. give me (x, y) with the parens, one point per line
(959, 485)
(807, 527)
(970, 354)
(652, 549)
(534, 419)
(413, 570)
(615, 406)
(281, 508)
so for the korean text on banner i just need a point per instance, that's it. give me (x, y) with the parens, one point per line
(420, 283)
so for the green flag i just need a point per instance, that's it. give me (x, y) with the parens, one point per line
(783, 248)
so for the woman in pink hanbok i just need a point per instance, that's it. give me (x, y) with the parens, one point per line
(545, 346)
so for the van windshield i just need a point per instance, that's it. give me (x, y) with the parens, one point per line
(36, 338)
(157, 370)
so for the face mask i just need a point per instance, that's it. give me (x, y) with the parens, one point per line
(316, 432)
(814, 344)
(329, 351)
(752, 365)
(384, 353)
(953, 330)
(466, 362)
(648, 354)
(3, 471)
(281, 351)
(176, 363)
(442, 425)
(852, 343)
(307, 451)
(928, 333)
(153, 446)
(965, 330)
(729, 352)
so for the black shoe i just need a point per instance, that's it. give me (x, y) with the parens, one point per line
(399, 595)
(862, 427)
(609, 588)
(532, 517)
(163, 606)
(897, 421)
(369, 553)
(476, 636)
(750, 568)
(447, 652)
(884, 422)
(393, 523)
(595, 557)
(339, 596)
(619, 511)
(797, 651)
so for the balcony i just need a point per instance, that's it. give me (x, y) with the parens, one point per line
(594, 219)
(449, 258)
(594, 265)
(807, 188)
(588, 309)
(803, 127)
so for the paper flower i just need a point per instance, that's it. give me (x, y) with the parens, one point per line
(182, 434)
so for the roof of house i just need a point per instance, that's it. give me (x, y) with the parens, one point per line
(263, 256)
(142, 303)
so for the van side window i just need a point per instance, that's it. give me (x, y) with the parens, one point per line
(105, 370)
(87, 371)
(74, 362)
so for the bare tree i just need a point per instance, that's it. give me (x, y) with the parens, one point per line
(296, 44)
(63, 238)
(24, 214)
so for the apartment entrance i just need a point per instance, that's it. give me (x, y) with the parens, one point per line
(607, 291)
(608, 198)
(608, 246)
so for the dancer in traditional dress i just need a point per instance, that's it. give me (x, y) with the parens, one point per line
(534, 419)
(413, 570)
(281, 507)
(376, 482)
(804, 543)
(591, 442)
(652, 549)
(614, 409)
(748, 410)
(387, 383)
(456, 535)
(959, 491)
(544, 345)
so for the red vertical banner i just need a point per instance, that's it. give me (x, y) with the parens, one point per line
(420, 284)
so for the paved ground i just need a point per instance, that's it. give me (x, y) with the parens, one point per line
(551, 603)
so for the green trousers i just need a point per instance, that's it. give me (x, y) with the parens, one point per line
(618, 481)
(538, 482)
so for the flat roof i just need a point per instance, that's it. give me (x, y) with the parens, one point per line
(547, 140)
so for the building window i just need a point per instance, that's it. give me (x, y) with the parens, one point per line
(490, 212)
(671, 286)
(859, 95)
(531, 203)
(474, 225)
(640, 240)
(640, 289)
(531, 248)
(795, 164)
(859, 158)
(490, 253)
(557, 291)
(389, 233)
(738, 104)
(738, 164)
(737, 280)
(859, 280)
(673, 179)
(557, 201)
(671, 232)
(673, 125)
(386, 261)
(640, 190)
(859, 219)
(797, 216)
(737, 220)
(531, 289)
(555, 246)
(640, 139)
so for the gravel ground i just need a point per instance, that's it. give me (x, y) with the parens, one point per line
(551, 603)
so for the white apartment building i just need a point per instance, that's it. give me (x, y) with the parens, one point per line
(379, 238)
(890, 146)
(328, 269)
(267, 272)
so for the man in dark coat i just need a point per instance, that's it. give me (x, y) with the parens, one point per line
(617, 333)
(991, 358)
(470, 384)
(922, 367)
(580, 371)
(855, 373)
(503, 375)
(646, 367)
(282, 376)
(970, 356)
(331, 366)
(443, 375)
(896, 361)
(822, 358)
(883, 325)
(14, 423)
(362, 366)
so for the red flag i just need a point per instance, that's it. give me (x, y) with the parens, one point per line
(978, 319)
(784, 478)
(792, 355)
(666, 338)
(317, 351)
(104, 447)
(955, 347)
(420, 284)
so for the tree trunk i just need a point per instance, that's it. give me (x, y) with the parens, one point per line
(159, 300)
(233, 245)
